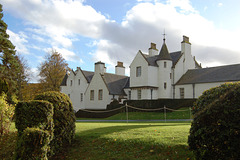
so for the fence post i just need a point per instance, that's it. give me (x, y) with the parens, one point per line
(126, 112)
(165, 116)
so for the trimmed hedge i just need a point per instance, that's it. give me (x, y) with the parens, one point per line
(34, 121)
(215, 130)
(159, 103)
(144, 104)
(33, 144)
(34, 114)
(64, 119)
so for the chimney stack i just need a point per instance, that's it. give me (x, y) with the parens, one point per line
(153, 51)
(120, 69)
(100, 67)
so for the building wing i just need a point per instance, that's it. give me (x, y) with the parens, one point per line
(210, 75)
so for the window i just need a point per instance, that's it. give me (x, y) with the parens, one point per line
(165, 85)
(165, 64)
(138, 71)
(139, 94)
(100, 94)
(69, 95)
(92, 95)
(79, 82)
(81, 97)
(170, 75)
(129, 95)
(71, 83)
(181, 93)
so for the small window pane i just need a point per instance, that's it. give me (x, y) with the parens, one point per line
(92, 95)
(138, 71)
(100, 94)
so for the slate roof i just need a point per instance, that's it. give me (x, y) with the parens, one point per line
(64, 81)
(164, 54)
(152, 59)
(116, 83)
(209, 75)
(88, 75)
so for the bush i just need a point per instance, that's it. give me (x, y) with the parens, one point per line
(6, 115)
(34, 121)
(33, 144)
(64, 119)
(34, 114)
(3, 86)
(215, 130)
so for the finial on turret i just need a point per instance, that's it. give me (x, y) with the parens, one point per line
(164, 36)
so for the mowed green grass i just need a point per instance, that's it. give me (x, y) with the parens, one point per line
(122, 141)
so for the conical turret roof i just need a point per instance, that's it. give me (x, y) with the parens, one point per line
(164, 54)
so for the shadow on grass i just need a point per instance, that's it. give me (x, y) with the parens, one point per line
(91, 144)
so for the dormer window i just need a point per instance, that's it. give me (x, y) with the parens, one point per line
(138, 71)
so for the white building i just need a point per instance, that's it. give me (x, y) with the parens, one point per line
(95, 90)
(156, 75)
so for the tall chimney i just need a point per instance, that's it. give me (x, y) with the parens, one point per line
(100, 67)
(153, 51)
(120, 69)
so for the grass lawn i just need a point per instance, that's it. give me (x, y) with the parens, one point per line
(121, 141)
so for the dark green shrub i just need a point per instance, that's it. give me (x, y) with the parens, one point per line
(34, 121)
(64, 119)
(3, 86)
(113, 105)
(215, 130)
(33, 144)
(34, 114)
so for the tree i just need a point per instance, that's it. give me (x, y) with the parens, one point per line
(52, 71)
(9, 66)
(22, 76)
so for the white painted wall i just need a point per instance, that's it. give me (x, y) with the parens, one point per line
(142, 80)
(96, 84)
(164, 77)
(199, 89)
(75, 89)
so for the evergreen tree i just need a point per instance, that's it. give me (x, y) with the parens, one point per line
(52, 71)
(9, 66)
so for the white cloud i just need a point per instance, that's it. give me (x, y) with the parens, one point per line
(66, 54)
(220, 4)
(19, 40)
(63, 20)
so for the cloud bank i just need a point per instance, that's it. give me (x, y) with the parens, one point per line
(62, 22)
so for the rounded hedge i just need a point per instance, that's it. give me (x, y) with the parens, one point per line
(63, 117)
(215, 130)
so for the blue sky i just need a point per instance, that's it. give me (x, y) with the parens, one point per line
(87, 31)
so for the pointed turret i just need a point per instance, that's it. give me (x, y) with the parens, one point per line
(164, 54)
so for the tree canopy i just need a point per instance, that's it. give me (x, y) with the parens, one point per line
(52, 71)
(9, 66)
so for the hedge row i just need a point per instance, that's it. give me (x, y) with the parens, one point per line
(45, 125)
(143, 104)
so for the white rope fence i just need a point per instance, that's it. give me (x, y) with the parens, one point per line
(140, 109)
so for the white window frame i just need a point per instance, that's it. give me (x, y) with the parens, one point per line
(139, 94)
